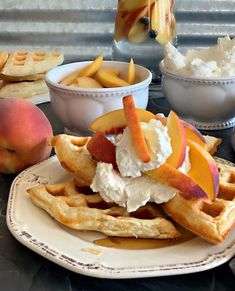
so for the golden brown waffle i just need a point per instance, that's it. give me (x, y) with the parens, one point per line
(212, 143)
(3, 58)
(25, 63)
(212, 221)
(67, 205)
(23, 89)
(23, 78)
(74, 157)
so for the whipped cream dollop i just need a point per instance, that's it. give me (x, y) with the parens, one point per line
(159, 147)
(130, 188)
(215, 61)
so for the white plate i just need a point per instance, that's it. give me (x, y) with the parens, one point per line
(73, 250)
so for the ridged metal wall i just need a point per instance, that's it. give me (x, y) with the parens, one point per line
(82, 29)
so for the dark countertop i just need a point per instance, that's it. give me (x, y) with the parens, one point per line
(21, 269)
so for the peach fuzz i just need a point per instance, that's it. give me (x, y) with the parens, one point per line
(25, 135)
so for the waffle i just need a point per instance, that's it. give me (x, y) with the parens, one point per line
(212, 221)
(74, 157)
(23, 78)
(23, 89)
(3, 58)
(25, 63)
(75, 210)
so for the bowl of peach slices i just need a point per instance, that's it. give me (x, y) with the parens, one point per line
(82, 91)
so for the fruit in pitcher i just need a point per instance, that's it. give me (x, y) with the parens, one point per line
(25, 134)
(134, 126)
(115, 121)
(203, 170)
(134, 30)
(162, 20)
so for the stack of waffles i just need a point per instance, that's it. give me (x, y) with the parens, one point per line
(22, 72)
(70, 205)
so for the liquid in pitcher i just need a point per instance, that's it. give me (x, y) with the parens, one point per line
(142, 27)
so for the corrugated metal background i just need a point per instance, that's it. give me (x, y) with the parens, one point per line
(84, 28)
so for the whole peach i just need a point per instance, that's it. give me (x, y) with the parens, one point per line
(25, 134)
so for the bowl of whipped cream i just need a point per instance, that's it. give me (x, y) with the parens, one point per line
(200, 84)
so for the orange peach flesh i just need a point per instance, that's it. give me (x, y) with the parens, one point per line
(176, 132)
(191, 132)
(134, 126)
(170, 176)
(115, 121)
(203, 170)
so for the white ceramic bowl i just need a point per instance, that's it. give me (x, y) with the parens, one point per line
(208, 103)
(78, 107)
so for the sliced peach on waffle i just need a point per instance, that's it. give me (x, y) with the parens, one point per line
(191, 132)
(172, 177)
(102, 149)
(203, 170)
(134, 126)
(176, 132)
(115, 121)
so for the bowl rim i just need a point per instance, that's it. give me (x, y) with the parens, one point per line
(56, 85)
(195, 79)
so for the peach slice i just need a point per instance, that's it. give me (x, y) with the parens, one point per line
(176, 132)
(115, 121)
(88, 82)
(191, 132)
(132, 5)
(133, 19)
(172, 177)
(203, 170)
(131, 72)
(110, 80)
(87, 71)
(162, 20)
(134, 126)
(102, 149)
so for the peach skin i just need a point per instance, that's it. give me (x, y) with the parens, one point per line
(25, 135)
(170, 176)
(102, 149)
(115, 121)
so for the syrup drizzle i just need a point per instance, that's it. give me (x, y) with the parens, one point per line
(143, 244)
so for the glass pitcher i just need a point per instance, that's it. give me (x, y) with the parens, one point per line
(142, 27)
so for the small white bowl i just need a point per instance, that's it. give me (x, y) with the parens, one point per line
(78, 107)
(207, 103)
